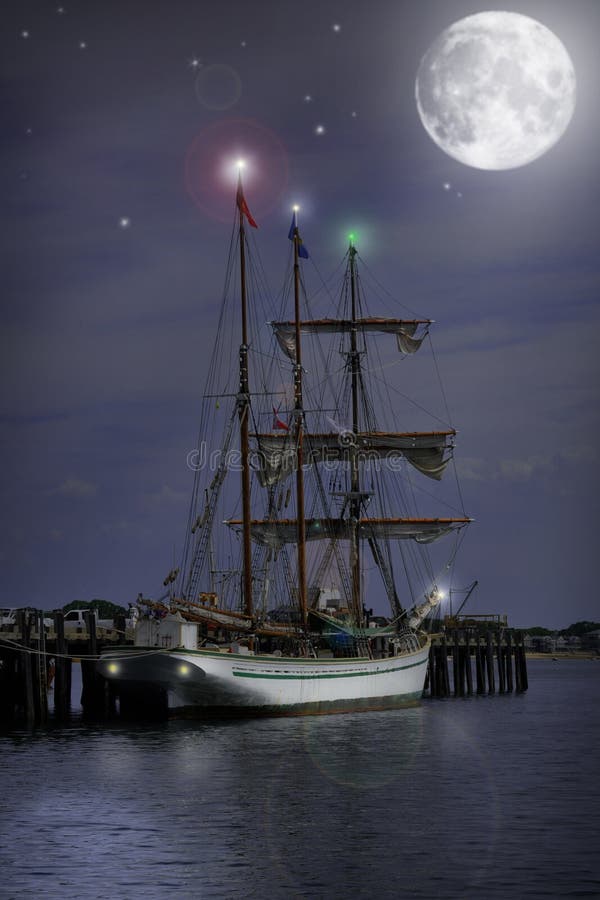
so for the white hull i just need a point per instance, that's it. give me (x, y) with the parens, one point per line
(205, 681)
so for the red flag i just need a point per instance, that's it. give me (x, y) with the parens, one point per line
(277, 422)
(243, 206)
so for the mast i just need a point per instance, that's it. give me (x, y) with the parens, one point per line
(243, 406)
(299, 415)
(354, 470)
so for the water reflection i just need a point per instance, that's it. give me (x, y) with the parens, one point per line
(455, 798)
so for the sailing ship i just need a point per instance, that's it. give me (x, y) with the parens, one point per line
(307, 500)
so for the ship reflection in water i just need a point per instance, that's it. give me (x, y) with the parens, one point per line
(464, 799)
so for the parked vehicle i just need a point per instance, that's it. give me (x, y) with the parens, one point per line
(75, 620)
(8, 618)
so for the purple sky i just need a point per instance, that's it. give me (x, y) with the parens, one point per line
(105, 321)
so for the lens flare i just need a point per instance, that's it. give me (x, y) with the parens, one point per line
(212, 168)
(218, 87)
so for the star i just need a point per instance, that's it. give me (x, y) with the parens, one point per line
(354, 113)
(446, 185)
(458, 194)
(60, 10)
(337, 28)
(307, 98)
(25, 34)
(82, 45)
(320, 129)
(29, 132)
(243, 44)
(124, 222)
(195, 63)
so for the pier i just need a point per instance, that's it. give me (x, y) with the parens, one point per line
(484, 658)
(34, 654)
(465, 659)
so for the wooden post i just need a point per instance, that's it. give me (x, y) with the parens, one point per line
(40, 672)
(436, 672)
(27, 705)
(469, 672)
(518, 671)
(524, 661)
(8, 684)
(479, 666)
(489, 659)
(444, 667)
(520, 665)
(62, 666)
(509, 671)
(461, 665)
(500, 662)
(455, 664)
(89, 691)
(120, 627)
(441, 671)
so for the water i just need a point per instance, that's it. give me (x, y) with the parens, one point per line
(481, 797)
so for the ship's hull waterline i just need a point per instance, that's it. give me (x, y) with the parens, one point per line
(209, 682)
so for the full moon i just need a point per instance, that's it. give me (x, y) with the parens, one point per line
(496, 90)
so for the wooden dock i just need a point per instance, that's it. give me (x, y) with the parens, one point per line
(32, 656)
(463, 661)
(496, 656)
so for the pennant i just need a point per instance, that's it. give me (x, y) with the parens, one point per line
(302, 251)
(243, 206)
(278, 423)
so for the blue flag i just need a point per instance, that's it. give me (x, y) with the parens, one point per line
(302, 251)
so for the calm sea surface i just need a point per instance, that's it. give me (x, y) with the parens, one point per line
(481, 797)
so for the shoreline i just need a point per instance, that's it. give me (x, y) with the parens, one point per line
(558, 655)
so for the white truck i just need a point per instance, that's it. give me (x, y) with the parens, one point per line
(75, 620)
(8, 618)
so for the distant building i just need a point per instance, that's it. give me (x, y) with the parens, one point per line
(591, 641)
(540, 643)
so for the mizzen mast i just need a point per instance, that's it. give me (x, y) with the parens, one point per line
(355, 497)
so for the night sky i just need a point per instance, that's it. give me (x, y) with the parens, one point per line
(113, 263)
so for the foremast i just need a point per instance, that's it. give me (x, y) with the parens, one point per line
(243, 410)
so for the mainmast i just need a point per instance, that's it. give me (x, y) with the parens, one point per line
(299, 417)
(355, 498)
(244, 407)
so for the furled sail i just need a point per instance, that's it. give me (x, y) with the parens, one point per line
(276, 456)
(402, 328)
(276, 533)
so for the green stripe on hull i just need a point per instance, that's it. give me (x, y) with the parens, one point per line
(283, 677)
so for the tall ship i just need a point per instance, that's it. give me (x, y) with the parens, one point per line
(304, 518)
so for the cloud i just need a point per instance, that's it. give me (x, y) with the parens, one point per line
(516, 469)
(75, 487)
(166, 495)
(472, 469)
